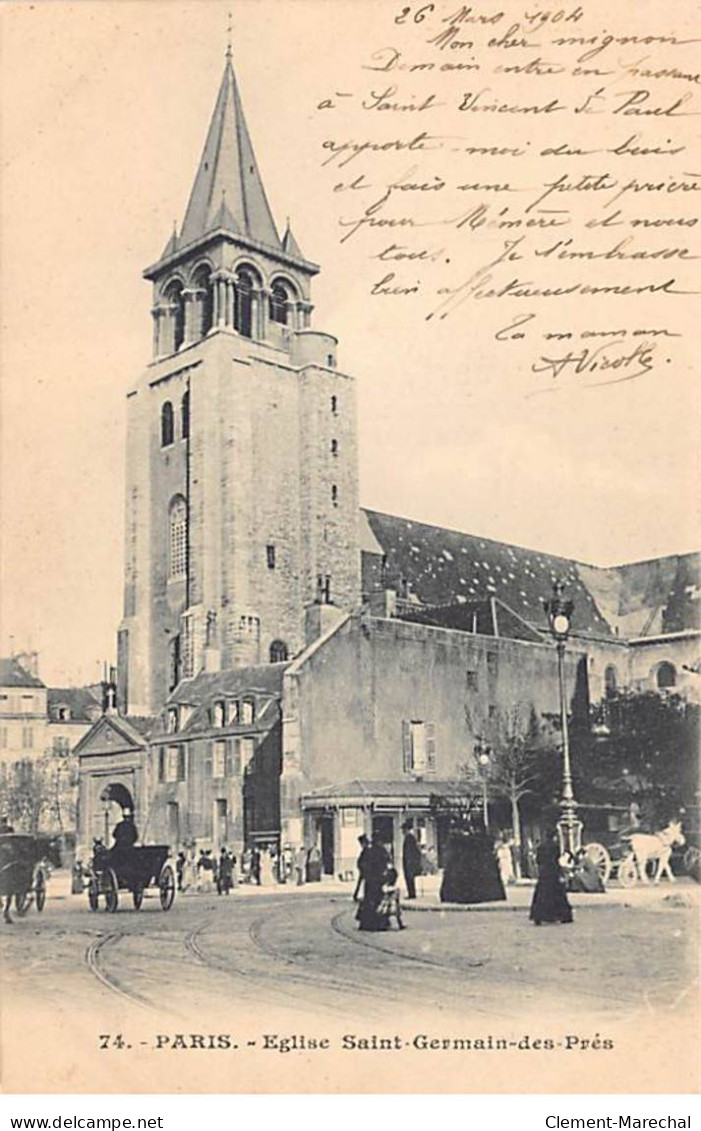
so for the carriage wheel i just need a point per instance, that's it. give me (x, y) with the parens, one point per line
(166, 884)
(40, 890)
(93, 893)
(22, 902)
(628, 871)
(111, 889)
(600, 858)
(138, 896)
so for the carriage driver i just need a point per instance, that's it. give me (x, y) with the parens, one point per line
(125, 834)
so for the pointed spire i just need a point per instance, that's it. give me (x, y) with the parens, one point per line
(289, 243)
(228, 165)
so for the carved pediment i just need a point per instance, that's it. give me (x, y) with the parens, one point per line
(106, 736)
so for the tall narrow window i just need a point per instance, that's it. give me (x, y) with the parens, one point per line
(334, 495)
(243, 308)
(419, 747)
(270, 556)
(185, 415)
(167, 425)
(174, 665)
(334, 406)
(219, 759)
(610, 681)
(334, 447)
(279, 304)
(177, 564)
(248, 712)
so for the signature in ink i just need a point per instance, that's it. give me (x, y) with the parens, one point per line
(605, 362)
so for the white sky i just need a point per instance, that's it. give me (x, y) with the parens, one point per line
(105, 110)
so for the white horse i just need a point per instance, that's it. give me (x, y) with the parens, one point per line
(647, 847)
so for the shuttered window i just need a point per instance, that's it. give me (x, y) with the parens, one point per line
(418, 747)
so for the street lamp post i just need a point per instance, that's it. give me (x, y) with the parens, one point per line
(559, 612)
(482, 753)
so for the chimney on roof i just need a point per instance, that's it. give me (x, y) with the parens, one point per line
(318, 619)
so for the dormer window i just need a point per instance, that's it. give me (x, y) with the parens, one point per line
(62, 714)
(232, 711)
(218, 713)
(172, 720)
(248, 712)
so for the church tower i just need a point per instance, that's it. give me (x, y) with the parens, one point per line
(242, 485)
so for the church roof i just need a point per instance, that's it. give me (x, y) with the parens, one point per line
(444, 567)
(261, 679)
(228, 169)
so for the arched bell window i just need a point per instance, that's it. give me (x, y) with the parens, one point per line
(243, 305)
(279, 304)
(203, 284)
(167, 425)
(176, 308)
(278, 652)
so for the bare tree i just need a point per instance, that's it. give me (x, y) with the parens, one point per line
(507, 761)
(39, 793)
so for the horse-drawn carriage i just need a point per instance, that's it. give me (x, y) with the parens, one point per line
(130, 869)
(23, 872)
(633, 855)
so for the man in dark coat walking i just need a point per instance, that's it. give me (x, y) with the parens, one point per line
(411, 859)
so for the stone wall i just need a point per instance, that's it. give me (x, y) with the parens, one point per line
(345, 701)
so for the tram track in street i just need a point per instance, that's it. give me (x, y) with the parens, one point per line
(626, 1003)
(93, 961)
(266, 982)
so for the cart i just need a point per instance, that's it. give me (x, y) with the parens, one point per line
(133, 870)
(23, 872)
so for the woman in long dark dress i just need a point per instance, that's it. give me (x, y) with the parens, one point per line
(471, 873)
(550, 903)
(375, 867)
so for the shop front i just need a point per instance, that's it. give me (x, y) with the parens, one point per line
(336, 816)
